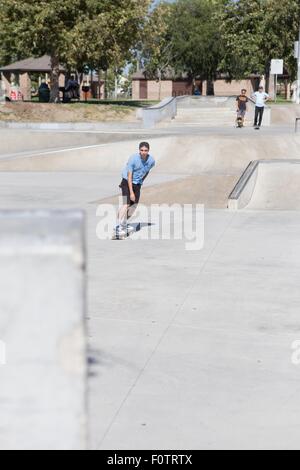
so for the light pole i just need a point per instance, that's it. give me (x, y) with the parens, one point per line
(298, 82)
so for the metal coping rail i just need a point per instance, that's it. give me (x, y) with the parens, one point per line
(244, 179)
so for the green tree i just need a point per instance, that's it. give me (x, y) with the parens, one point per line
(196, 40)
(256, 31)
(37, 27)
(156, 47)
(241, 27)
(98, 33)
(106, 36)
(281, 31)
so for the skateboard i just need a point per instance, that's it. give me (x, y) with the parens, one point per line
(115, 236)
(239, 123)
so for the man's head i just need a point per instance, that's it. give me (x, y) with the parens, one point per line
(144, 150)
(261, 89)
(244, 91)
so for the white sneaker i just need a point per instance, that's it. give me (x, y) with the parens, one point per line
(119, 233)
(130, 229)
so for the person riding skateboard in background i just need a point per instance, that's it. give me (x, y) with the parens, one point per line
(134, 175)
(242, 101)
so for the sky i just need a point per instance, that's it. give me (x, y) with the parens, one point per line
(158, 1)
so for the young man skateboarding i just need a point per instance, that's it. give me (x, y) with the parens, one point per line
(134, 175)
(242, 101)
(260, 98)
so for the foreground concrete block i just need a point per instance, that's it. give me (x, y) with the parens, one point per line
(42, 304)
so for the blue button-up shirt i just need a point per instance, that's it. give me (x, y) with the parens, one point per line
(138, 167)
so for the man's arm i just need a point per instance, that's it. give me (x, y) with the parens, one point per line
(146, 176)
(130, 184)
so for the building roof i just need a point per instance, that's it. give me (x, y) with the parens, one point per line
(41, 64)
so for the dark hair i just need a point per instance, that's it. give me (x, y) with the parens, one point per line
(144, 144)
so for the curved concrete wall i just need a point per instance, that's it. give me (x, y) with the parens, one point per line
(174, 155)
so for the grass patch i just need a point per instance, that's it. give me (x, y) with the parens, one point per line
(280, 100)
(71, 112)
(118, 103)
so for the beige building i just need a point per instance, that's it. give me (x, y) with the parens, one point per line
(148, 89)
(144, 88)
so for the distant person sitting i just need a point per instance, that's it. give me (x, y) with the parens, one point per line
(72, 90)
(44, 93)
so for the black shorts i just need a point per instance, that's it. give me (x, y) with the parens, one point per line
(126, 192)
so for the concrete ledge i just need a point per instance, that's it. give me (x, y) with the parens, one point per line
(42, 306)
(165, 110)
(251, 182)
(242, 193)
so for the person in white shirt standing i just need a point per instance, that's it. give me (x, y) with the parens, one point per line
(260, 98)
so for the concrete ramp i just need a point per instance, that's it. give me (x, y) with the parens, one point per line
(213, 112)
(205, 112)
(183, 154)
(268, 185)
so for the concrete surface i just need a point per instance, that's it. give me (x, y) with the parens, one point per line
(186, 349)
(268, 185)
(277, 186)
(205, 167)
(166, 110)
(283, 114)
(43, 391)
(209, 112)
(197, 355)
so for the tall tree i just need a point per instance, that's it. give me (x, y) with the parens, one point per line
(281, 30)
(106, 36)
(38, 27)
(156, 46)
(196, 40)
(97, 33)
(107, 32)
(256, 31)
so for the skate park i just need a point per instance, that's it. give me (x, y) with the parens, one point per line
(182, 346)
